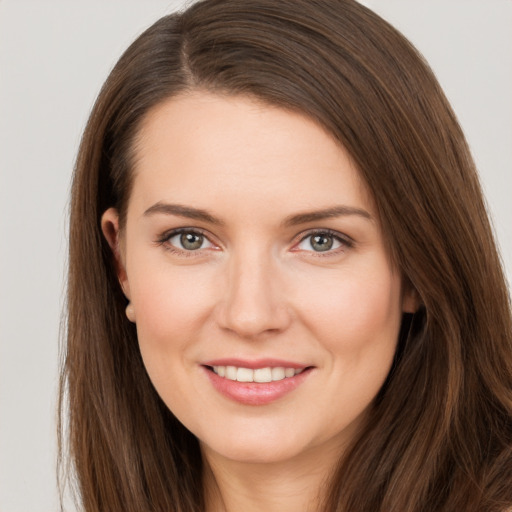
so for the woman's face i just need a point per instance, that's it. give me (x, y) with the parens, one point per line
(266, 306)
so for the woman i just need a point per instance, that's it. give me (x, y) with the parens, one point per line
(283, 291)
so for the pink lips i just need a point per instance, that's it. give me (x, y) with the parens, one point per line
(255, 393)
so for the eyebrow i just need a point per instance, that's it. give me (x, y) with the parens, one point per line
(301, 218)
(183, 211)
(327, 213)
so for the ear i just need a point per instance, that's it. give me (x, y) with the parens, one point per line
(410, 299)
(111, 232)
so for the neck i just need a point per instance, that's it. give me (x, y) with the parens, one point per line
(294, 485)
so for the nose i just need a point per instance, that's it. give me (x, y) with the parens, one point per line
(254, 301)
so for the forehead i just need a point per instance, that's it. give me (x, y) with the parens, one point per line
(204, 147)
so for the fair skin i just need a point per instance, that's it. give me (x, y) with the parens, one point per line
(278, 267)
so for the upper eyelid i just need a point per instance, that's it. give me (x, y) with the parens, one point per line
(163, 241)
(166, 235)
(318, 231)
(345, 241)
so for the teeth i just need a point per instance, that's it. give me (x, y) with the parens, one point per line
(278, 373)
(231, 372)
(245, 375)
(267, 374)
(263, 375)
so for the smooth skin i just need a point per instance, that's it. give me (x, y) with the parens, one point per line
(280, 254)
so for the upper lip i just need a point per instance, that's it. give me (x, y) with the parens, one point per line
(254, 364)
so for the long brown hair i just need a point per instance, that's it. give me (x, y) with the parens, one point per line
(439, 435)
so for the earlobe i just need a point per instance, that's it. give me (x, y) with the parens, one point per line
(111, 232)
(130, 312)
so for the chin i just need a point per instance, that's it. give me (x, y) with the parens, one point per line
(263, 446)
(253, 453)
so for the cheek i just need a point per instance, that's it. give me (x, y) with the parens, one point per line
(168, 301)
(354, 309)
(172, 309)
(357, 320)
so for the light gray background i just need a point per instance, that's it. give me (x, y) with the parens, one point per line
(54, 56)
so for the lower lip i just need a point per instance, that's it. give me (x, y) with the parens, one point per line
(256, 393)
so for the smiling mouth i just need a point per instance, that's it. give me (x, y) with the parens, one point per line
(261, 375)
(256, 382)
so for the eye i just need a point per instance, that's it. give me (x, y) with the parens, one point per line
(186, 240)
(322, 241)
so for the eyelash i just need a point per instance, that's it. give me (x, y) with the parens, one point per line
(345, 241)
(165, 237)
